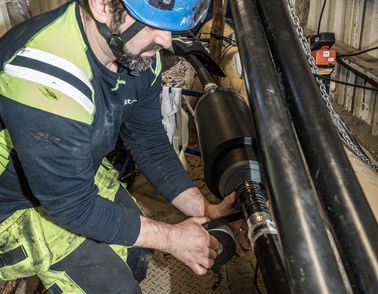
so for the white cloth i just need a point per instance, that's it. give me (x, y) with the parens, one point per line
(175, 121)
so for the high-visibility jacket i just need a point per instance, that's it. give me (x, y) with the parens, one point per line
(61, 112)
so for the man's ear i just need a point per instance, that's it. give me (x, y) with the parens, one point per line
(100, 10)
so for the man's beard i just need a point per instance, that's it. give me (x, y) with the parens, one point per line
(138, 62)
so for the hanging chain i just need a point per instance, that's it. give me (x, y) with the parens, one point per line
(344, 134)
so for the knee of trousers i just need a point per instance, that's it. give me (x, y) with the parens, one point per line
(30, 241)
(92, 268)
(138, 260)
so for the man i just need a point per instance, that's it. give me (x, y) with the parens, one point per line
(71, 82)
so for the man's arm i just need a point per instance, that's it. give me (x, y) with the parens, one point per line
(144, 135)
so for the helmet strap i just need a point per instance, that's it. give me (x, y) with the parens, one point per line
(117, 42)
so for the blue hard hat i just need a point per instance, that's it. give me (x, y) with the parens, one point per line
(171, 15)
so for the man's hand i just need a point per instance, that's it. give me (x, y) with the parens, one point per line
(193, 245)
(193, 203)
(222, 209)
(225, 208)
(188, 241)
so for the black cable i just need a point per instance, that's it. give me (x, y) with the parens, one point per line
(230, 41)
(347, 84)
(255, 278)
(226, 49)
(225, 38)
(321, 16)
(189, 92)
(192, 151)
(358, 52)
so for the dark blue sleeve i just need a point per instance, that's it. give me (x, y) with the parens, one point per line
(144, 135)
(55, 155)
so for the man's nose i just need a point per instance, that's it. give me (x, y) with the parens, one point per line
(163, 38)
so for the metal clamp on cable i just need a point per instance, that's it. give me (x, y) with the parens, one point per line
(251, 198)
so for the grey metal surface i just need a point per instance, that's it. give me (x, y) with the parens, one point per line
(167, 275)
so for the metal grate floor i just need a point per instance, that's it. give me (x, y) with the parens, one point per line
(167, 275)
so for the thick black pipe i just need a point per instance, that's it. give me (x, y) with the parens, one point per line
(350, 215)
(266, 250)
(309, 257)
(225, 134)
(203, 74)
(262, 234)
(229, 153)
